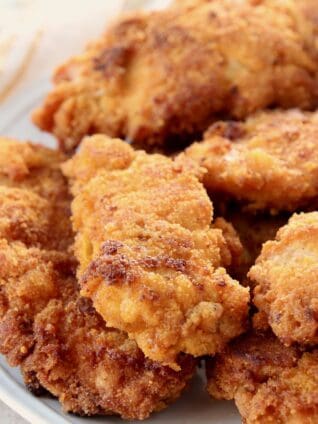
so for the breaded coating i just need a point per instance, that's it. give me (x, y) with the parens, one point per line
(268, 162)
(234, 254)
(148, 257)
(269, 382)
(63, 345)
(286, 285)
(55, 336)
(253, 231)
(161, 78)
(34, 196)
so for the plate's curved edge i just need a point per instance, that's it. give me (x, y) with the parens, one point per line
(25, 404)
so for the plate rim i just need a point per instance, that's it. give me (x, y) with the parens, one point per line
(25, 404)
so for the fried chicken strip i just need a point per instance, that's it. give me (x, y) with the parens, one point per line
(269, 382)
(148, 257)
(285, 278)
(34, 196)
(269, 162)
(165, 76)
(55, 336)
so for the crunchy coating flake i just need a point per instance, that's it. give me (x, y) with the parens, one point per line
(147, 256)
(164, 76)
(46, 328)
(269, 162)
(269, 382)
(286, 285)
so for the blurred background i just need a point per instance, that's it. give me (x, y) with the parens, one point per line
(37, 35)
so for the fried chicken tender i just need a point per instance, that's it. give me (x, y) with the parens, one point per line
(34, 196)
(148, 257)
(269, 162)
(269, 382)
(165, 76)
(63, 345)
(55, 336)
(285, 281)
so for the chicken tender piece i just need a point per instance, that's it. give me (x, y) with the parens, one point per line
(63, 345)
(148, 257)
(253, 231)
(161, 78)
(285, 278)
(55, 336)
(269, 382)
(268, 162)
(34, 196)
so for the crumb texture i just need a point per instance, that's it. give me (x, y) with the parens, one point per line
(148, 257)
(60, 342)
(269, 382)
(269, 162)
(162, 76)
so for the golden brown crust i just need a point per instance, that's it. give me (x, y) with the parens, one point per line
(46, 328)
(269, 162)
(63, 345)
(233, 250)
(162, 76)
(34, 196)
(285, 277)
(148, 258)
(269, 382)
(253, 231)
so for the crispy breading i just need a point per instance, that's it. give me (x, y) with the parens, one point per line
(268, 162)
(253, 231)
(285, 278)
(34, 196)
(269, 382)
(55, 336)
(232, 256)
(63, 345)
(148, 257)
(165, 76)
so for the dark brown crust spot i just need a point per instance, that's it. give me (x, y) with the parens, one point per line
(85, 306)
(33, 384)
(113, 60)
(163, 261)
(115, 268)
(110, 247)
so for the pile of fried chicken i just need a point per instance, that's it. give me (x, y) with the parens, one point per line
(122, 269)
